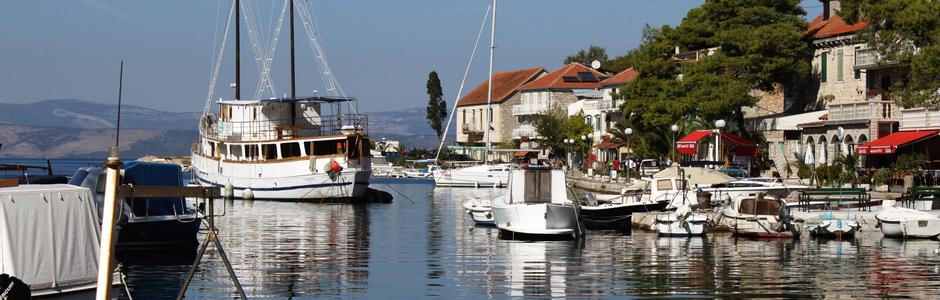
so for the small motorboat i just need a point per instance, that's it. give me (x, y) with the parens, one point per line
(897, 222)
(760, 216)
(480, 211)
(682, 222)
(537, 206)
(615, 211)
(474, 176)
(831, 226)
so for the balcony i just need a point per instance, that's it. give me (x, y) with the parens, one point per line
(471, 128)
(530, 108)
(609, 105)
(525, 131)
(871, 59)
(919, 119)
(863, 110)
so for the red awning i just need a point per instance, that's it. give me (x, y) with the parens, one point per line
(686, 145)
(608, 145)
(889, 144)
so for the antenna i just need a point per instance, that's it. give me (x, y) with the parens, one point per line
(596, 64)
(117, 135)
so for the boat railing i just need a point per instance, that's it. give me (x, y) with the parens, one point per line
(273, 129)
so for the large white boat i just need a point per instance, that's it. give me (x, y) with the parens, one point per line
(537, 207)
(476, 176)
(287, 147)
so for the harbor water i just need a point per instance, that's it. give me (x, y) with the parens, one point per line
(425, 245)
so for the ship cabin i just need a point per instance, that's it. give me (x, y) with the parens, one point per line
(270, 130)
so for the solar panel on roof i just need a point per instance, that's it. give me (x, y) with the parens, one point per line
(587, 77)
(570, 79)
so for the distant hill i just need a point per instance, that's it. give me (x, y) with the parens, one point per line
(93, 115)
(84, 129)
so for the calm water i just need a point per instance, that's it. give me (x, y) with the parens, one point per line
(424, 245)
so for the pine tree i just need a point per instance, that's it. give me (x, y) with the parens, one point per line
(437, 107)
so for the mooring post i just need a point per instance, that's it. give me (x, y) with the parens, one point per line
(106, 247)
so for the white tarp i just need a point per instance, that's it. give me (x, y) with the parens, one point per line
(49, 235)
(696, 176)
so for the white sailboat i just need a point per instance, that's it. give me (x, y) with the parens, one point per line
(286, 147)
(485, 175)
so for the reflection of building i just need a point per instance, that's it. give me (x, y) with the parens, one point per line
(472, 114)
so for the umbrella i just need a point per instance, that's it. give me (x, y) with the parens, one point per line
(696, 176)
(822, 153)
(808, 155)
(845, 149)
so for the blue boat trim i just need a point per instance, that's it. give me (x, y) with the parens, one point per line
(279, 188)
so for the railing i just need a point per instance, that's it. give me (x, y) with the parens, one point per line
(282, 128)
(606, 105)
(529, 108)
(920, 118)
(868, 58)
(864, 110)
(525, 130)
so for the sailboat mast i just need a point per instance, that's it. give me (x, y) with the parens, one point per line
(489, 88)
(293, 85)
(238, 52)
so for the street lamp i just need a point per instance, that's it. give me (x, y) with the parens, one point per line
(719, 124)
(628, 132)
(674, 128)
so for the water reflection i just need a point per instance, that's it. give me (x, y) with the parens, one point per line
(424, 245)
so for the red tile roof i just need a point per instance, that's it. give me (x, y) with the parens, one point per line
(621, 78)
(835, 26)
(505, 84)
(555, 80)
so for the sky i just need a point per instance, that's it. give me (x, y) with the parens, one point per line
(380, 51)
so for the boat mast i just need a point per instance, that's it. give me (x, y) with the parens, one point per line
(293, 88)
(489, 89)
(238, 53)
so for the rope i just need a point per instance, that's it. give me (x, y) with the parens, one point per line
(218, 63)
(466, 72)
(400, 193)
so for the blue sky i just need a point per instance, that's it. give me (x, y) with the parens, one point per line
(380, 51)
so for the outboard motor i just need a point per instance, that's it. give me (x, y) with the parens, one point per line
(13, 288)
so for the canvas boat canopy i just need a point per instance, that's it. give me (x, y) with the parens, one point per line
(889, 144)
(744, 147)
(49, 236)
(608, 145)
(313, 99)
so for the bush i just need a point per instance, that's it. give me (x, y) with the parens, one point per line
(882, 176)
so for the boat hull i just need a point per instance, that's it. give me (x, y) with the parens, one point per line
(615, 216)
(670, 225)
(837, 229)
(476, 176)
(480, 212)
(165, 233)
(537, 221)
(759, 227)
(282, 181)
(920, 229)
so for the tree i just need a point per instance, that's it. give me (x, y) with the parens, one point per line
(758, 46)
(554, 126)
(437, 107)
(906, 32)
(586, 57)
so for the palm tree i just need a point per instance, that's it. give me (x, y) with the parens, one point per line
(849, 164)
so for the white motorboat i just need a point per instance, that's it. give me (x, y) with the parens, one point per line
(760, 216)
(829, 225)
(897, 222)
(537, 207)
(475, 176)
(381, 167)
(283, 147)
(684, 221)
(615, 211)
(480, 211)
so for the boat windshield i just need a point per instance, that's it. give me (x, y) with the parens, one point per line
(759, 206)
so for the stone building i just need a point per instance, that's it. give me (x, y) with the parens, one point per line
(472, 113)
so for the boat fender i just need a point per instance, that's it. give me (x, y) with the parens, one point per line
(247, 194)
(13, 288)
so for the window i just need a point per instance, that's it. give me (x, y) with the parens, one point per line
(664, 184)
(463, 113)
(858, 72)
(290, 149)
(823, 61)
(588, 120)
(328, 147)
(597, 122)
(269, 151)
(839, 65)
(308, 147)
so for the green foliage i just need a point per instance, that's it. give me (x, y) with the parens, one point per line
(586, 57)
(437, 107)
(803, 170)
(898, 29)
(906, 163)
(882, 176)
(849, 163)
(554, 126)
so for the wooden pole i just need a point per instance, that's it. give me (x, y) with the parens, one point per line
(106, 247)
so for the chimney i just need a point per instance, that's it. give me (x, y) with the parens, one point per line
(830, 8)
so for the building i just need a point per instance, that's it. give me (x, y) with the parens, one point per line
(603, 112)
(472, 113)
(853, 84)
(556, 90)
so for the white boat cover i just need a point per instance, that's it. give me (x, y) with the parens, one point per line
(699, 176)
(49, 235)
(900, 214)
